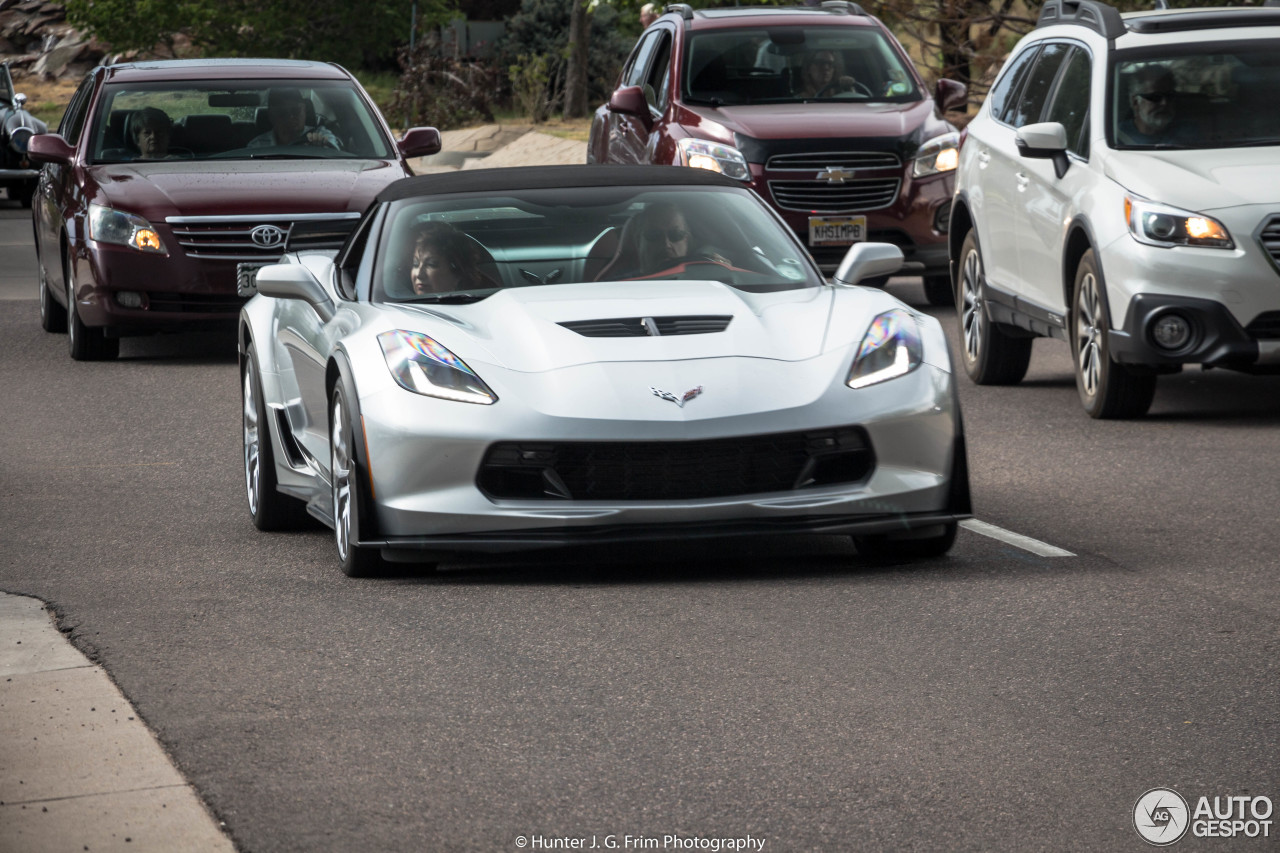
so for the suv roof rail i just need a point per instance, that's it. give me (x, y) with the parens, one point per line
(844, 5)
(1099, 17)
(1208, 19)
(683, 9)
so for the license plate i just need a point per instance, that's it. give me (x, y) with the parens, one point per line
(837, 230)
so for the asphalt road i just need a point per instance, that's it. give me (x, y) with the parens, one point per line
(782, 689)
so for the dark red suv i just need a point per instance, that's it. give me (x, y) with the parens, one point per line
(818, 108)
(169, 183)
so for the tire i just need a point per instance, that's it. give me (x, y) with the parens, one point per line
(53, 317)
(269, 509)
(938, 290)
(347, 474)
(883, 546)
(1108, 390)
(990, 356)
(86, 343)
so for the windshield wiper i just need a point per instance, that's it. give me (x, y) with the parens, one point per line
(457, 297)
(288, 157)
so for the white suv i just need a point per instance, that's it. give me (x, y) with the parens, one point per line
(1120, 190)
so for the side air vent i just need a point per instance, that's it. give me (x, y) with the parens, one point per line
(640, 327)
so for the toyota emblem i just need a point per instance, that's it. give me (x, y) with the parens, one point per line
(267, 236)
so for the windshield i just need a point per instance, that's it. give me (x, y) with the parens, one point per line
(465, 248)
(789, 64)
(1203, 96)
(224, 120)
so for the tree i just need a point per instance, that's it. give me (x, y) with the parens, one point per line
(575, 83)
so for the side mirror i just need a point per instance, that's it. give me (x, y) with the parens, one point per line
(50, 148)
(868, 260)
(952, 95)
(294, 281)
(1044, 141)
(420, 142)
(629, 100)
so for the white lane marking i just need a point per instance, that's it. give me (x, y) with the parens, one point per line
(1017, 540)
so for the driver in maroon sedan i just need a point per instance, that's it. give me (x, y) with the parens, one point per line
(288, 114)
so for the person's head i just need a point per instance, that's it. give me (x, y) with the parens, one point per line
(664, 235)
(151, 129)
(818, 71)
(442, 259)
(648, 14)
(288, 113)
(1152, 99)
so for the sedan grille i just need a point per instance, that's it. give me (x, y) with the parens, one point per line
(833, 159)
(638, 327)
(675, 470)
(243, 238)
(1269, 237)
(847, 197)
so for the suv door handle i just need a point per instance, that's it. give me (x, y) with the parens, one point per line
(1023, 180)
(984, 158)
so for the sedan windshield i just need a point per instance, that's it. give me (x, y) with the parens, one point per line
(458, 249)
(1201, 96)
(788, 64)
(244, 119)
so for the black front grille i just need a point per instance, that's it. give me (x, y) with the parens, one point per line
(195, 303)
(820, 160)
(1265, 327)
(637, 327)
(675, 470)
(1269, 237)
(823, 197)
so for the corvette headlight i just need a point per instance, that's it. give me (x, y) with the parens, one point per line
(725, 159)
(1161, 225)
(940, 154)
(421, 365)
(891, 348)
(108, 225)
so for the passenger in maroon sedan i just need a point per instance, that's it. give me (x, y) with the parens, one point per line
(287, 111)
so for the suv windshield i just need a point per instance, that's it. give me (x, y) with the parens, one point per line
(463, 248)
(225, 120)
(1197, 96)
(789, 64)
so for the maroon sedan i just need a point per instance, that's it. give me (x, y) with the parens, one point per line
(817, 108)
(169, 182)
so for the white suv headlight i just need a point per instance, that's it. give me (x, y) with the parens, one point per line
(108, 225)
(890, 348)
(1161, 225)
(940, 154)
(421, 365)
(725, 159)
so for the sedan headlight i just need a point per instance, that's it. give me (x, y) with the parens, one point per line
(940, 154)
(108, 225)
(1161, 225)
(725, 159)
(421, 365)
(890, 348)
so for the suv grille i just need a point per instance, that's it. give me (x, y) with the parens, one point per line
(1269, 237)
(675, 470)
(636, 327)
(837, 159)
(229, 238)
(822, 197)
(1265, 327)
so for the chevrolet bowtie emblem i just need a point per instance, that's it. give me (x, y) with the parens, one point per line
(679, 401)
(834, 175)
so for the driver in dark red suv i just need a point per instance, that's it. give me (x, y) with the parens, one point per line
(818, 109)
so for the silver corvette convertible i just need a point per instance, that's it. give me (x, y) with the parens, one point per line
(508, 359)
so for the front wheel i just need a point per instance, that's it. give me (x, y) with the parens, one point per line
(991, 356)
(883, 546)
(53, 317)
(85, 343)
(1108, 389)
(269, 509)
(348, 491)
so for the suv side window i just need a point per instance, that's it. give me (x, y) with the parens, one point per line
(657, 83)
(73, 120)
(1035, 94)
(1005, 93)
(634, 73)
(1070, 104)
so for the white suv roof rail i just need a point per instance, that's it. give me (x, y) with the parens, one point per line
(1099, 17)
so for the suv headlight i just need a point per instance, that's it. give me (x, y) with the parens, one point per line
(1161, 225)
(940, 154)
(108, 225)
(725, 159)
(421, 365)
(890, 348)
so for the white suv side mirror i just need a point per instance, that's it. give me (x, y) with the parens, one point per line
(1046, 140)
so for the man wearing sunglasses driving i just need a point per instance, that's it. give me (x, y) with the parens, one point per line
(665, 241)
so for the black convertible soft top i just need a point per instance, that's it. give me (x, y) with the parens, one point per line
(551, 177)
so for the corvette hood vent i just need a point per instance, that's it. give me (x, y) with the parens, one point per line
(639, 327)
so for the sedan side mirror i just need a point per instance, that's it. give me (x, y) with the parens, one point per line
(1046, 140)
(50, 148)
(952, 95)
(420, 142)
(868, 260)
(294, 281)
